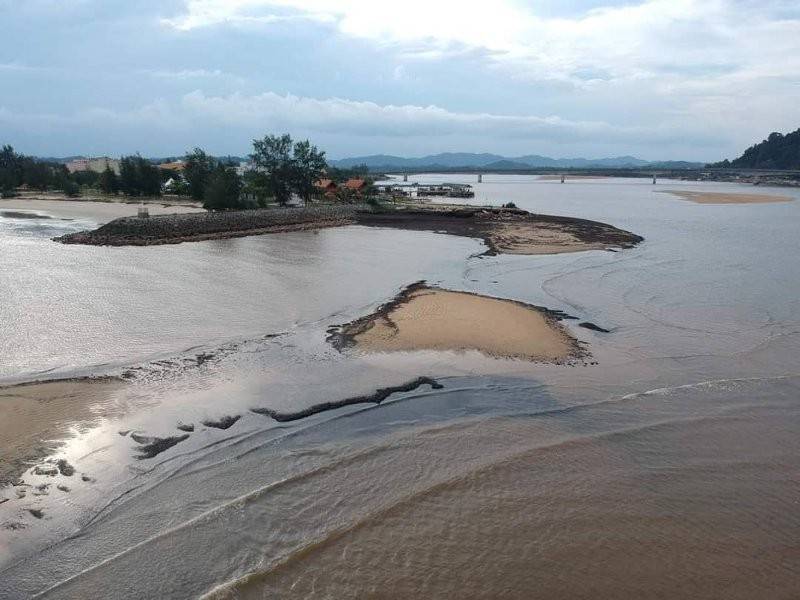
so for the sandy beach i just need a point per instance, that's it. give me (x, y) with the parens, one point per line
(726, 198)
(427, 318)
(102, 211)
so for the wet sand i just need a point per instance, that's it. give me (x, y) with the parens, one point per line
(726, 198)
(34, 415)
(542, 239)
(427, 318)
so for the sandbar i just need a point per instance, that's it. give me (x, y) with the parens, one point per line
(726, 197)
(429, 318)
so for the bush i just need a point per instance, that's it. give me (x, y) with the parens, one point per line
(71, 189)
(509, 205)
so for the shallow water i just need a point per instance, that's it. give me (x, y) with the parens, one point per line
(669, 469)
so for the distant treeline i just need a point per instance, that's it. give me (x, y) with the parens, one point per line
(778, 151)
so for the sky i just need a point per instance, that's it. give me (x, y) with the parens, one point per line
(660, 79)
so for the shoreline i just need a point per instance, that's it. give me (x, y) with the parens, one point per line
(503, 230)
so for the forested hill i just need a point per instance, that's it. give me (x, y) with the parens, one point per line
(778, 151)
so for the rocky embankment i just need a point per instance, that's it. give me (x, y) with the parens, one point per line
(177, 228)
(503, 230)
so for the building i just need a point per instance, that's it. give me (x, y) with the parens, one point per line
(326, 187)
(355, 186)
(98, 165)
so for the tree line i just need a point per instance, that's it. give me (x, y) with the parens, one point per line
(778, 151)
(280, 168)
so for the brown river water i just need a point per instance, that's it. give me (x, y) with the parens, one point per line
(669, 469)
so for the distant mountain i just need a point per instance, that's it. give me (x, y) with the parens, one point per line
(778, 151)
(455, 160)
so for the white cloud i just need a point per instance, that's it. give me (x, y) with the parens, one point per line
(693, 37)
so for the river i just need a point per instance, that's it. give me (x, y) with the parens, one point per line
(670, 468)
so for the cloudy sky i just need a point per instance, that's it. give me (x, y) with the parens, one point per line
(659, 79)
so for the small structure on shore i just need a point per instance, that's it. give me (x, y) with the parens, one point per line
(563, 177)
(143, 212)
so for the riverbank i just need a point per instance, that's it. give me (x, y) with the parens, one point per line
(423, 317)
(503, 230)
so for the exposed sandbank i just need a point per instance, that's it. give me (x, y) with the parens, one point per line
(33, 415)
(726, 197)
(429, 318)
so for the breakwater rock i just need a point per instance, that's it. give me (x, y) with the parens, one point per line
(188, 227)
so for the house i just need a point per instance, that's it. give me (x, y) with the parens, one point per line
(355, 186)
(98, 165)
(326, 187)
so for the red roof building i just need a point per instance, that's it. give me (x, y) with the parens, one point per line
(355, 185)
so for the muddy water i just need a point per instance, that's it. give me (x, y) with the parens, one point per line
(669, 469)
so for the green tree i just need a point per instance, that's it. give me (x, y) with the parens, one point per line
(37, 175)
(139, 177)
(285, 167)
(308, 166)
(272, 158)
(108, 181)
(197, 171)
(11, 169)
(222, 190)
(71, 189)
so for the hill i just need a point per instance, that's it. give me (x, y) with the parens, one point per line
(466, 160)
(778, 151)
